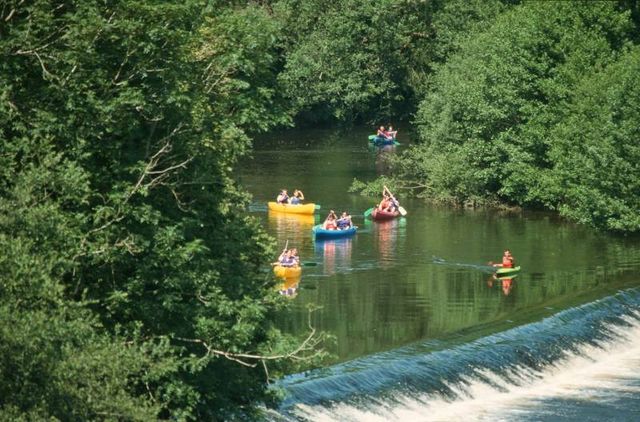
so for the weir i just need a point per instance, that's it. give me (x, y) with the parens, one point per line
(529, 360)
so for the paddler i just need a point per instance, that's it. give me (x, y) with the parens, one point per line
(288, 258)
(507, 260)
(283, 197)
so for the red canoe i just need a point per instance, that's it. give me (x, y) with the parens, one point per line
(384, 215)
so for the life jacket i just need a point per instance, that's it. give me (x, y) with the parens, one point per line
(507, 262)
(288, 261)
(294, 200)
(343, 223)
(331, 225)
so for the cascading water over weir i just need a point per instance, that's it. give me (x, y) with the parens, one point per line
(582, 360)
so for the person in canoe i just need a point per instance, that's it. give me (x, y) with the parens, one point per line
(391, 133)
(385, 203)
(297, 197)
(283, 197)
(393, 202)
(294, 257)
(289, 258)
(389, 203)
(507, 260)
(382, 133)
(330, 223)
(344, 222)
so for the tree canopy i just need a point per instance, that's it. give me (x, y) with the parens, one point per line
(490, 126)
(132, 283)
(130, 272)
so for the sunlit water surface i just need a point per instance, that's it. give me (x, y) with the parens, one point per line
(423, 330)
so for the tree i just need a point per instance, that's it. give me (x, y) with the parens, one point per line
(354, 58)
(595, 178)
(120, 124)
(495, 99)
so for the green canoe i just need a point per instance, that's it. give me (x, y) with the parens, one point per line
(503, 272)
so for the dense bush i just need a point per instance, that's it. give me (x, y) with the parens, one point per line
(490, 124)
(128, 266)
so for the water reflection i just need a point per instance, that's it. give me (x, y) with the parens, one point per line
(386, 234)
(383, 159)
(289, 287)
(506, 283)
(421, 296)
(335, 254)
(293, 227)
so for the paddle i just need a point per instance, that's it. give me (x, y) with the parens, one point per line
(302, 264)
(402, 211)
(285, 248)
(368, 212)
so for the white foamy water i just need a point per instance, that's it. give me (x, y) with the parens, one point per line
(591, 374)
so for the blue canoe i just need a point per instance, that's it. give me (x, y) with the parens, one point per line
(380, 141)
(330, 234)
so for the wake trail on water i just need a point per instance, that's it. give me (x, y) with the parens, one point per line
(481, 267)
(590, 351)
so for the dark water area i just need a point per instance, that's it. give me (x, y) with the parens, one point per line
(423, 330)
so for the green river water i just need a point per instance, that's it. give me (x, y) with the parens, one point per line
(420, 278)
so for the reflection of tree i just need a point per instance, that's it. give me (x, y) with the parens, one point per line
(377, 310)
(383, 159)
(336, 254)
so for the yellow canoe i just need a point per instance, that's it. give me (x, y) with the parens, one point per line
(294, 209)
(287, 272)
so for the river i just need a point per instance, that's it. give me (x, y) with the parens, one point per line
(423, 331)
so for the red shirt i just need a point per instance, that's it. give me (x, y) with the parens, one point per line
(507, 262)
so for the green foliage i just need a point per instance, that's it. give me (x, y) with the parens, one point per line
(354, 57)
(486, 124)
(595, 178)
(130, 278)
(54, 364)
(373, 189)
(354, 60)
(238, 47)
(120, 124)
(455, 21)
